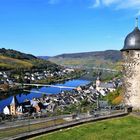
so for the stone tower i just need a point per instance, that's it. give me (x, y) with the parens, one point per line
(131, 67)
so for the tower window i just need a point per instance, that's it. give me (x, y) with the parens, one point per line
(127, 52)
(138, 55)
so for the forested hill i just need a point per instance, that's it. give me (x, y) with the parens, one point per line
(113, 55)
(12, 59)
(16, 54)
(106, 59)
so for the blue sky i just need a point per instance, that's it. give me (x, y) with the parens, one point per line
(51, 27)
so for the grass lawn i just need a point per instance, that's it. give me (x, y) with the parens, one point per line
(125, 128)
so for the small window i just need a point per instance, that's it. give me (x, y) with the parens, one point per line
(138, 55)
(127, 53)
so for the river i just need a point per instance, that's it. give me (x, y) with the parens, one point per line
(45, 90)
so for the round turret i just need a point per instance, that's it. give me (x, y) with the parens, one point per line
(132, 41)
(131, 68)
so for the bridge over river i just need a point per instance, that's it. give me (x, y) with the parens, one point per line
(44, 85)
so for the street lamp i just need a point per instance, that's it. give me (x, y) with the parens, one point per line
(98, 104)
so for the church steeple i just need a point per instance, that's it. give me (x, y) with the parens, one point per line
(13, 106)
(98, 82)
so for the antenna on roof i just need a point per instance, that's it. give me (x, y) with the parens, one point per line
(137, 22)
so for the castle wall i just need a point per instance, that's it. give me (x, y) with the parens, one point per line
(132, 78)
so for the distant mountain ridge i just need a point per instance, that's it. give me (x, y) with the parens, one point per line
(44, 57)
(106, 59)
(113, 55)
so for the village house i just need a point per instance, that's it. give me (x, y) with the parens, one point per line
(103, 87)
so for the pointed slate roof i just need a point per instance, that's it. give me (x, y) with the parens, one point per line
(14, 101)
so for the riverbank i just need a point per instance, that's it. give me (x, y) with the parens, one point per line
(38, 92)
(6, 88)
(62, 79)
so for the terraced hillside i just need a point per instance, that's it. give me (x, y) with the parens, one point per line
(11, 59)
(11, 63)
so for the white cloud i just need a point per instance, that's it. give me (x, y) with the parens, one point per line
(138, 13)
(109, 2)
(53, 1)
(119, 3)
(96, 4)
(58, 1)
(135, 4)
